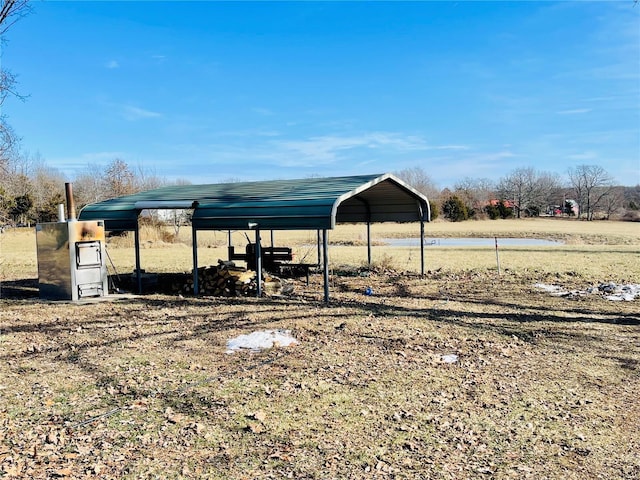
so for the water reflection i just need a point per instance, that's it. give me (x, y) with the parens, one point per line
(472, 242)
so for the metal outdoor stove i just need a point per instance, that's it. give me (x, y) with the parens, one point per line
(71, 260)
(71, 257)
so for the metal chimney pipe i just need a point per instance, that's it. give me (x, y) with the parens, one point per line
(71, 205)
(61, 218)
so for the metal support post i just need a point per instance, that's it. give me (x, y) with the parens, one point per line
(421, 246)
(325, 248)
(136, 244)
(194, 245)
(369, 244)
(258, 264)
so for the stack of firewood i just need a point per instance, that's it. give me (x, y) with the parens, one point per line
(224, 280)
(228, 280)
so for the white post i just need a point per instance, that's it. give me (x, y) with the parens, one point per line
(497, 255)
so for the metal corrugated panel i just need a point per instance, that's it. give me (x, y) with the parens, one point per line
(116, 217)
(313, 203)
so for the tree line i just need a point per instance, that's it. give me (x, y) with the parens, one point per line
(588, 192)
(30, 191)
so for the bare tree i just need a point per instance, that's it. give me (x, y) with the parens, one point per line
(10, 12)
(97, 183)
(179, 217)
(591, 184)
(181, 181)
(239, 180)
(475, 193)
(517, 187)
(48, 191)
(119, 179)
(147, 179)
(18, 173)
(529, 190)
(89, 186)
(16, 191)
(8, 86)
(8, 138)
(8, 143)
(420, 180)
(632, 197)
(613, 202)
(32, 187)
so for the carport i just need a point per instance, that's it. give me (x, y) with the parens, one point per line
(303, 204)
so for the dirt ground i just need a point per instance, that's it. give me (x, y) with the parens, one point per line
(461, 374)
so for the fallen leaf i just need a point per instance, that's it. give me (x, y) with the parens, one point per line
(255, 427)
(63, 472)
(485, 471)
(259, 415)
(52, 438)
(13, 470)
(197, 427)
(172, 416)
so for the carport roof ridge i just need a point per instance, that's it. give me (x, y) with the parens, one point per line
(310, 203)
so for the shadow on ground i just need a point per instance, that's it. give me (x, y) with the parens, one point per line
(19, 289)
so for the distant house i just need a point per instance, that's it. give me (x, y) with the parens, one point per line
(506, 203)
(570, 208)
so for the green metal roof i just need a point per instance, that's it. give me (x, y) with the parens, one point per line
(304, 204)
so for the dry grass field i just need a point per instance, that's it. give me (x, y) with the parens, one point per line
(140, 386)
(596, 250)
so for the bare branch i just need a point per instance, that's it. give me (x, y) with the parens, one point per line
(7, 84)
(11, 11)
(591, 184)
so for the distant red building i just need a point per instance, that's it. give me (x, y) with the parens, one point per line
(507, 203)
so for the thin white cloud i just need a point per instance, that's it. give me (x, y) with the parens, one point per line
(159, 60)
(583, 156)
(331, 148)
(607, 98)
(283, 152)
(268, 133)
(265, 112)
(112, 64)
(132, 113)
(96, 157)
(75, 164)
(395, 141)
(450, 147)
(347, 151)
(348, 155)
(575, 111)
(251, 133)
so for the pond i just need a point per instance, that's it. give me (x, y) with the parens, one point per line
(472, 242)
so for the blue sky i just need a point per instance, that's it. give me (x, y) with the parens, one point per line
(212, 91)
